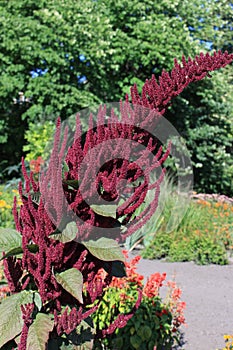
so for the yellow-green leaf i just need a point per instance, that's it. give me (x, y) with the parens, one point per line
(105, 249)
(11, 321)
(9, 239)
(38, 334)
(72, 281)
(105, 210)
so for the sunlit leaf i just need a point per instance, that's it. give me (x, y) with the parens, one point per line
(33, 248)
(105, 249)
(105, 210)
(11, 322)
(38, 334)
(72, 281)
(67, 235)
(9, 239)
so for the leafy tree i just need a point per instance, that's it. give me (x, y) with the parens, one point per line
(203, 115)
(68, 55)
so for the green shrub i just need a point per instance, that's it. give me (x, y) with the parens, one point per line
(6, 204)
(37, 136)
(203, 115)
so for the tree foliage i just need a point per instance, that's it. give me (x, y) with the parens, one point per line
(67, 55)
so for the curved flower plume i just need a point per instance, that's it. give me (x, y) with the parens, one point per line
(158, 95)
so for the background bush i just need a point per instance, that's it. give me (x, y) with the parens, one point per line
(6, 205)
(70, 56)
(205, 235)
(37, 137)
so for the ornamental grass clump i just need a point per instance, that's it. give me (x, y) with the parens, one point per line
(64, 234)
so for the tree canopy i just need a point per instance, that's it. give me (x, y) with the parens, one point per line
(67, 55)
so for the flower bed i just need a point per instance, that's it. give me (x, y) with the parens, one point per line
(156, 323)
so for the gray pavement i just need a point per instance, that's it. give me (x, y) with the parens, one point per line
(208, 293)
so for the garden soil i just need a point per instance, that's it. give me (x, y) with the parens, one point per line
(208, 293)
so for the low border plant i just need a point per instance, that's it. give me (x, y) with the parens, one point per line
(156, 323)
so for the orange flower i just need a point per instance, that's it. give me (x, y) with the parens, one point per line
(176, 294)
(35, 165)
(154, 282)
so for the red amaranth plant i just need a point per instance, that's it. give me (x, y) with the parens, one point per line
(58, 264)
(65, 235)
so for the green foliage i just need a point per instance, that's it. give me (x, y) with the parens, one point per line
(159, 248)
(67, 235)
(122, 43)
(11, 322)
(37, 137)
(9, 239)
(105, 249)
(203, 236)
(202, 250)
(169, 213)
(208, 131)
(71, 280)
(6, 204)
(155, 323)
(39, 332)
(145, 330)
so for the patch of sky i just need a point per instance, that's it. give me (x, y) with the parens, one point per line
(81, 79)
(208, 44)
(192, 29)
(82, 58)
(38, 72)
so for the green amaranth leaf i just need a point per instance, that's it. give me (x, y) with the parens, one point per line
(37, 301)
(35, 197)
(65, 169)
(11, 322)
(67, 235)
(13, 252)
(9, 239)
(105, 249)
(72, 281)
(72, 183)
(3, 282)
(33, 248)
(38, 334)
(105, 210)
(117, 268)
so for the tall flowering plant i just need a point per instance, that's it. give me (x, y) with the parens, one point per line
(63, 238)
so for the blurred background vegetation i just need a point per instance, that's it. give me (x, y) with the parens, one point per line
(68, 55)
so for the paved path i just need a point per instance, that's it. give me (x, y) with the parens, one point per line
(208, 292)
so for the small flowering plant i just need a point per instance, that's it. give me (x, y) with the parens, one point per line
(228, 342)
(156, 323)
(35, 164)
